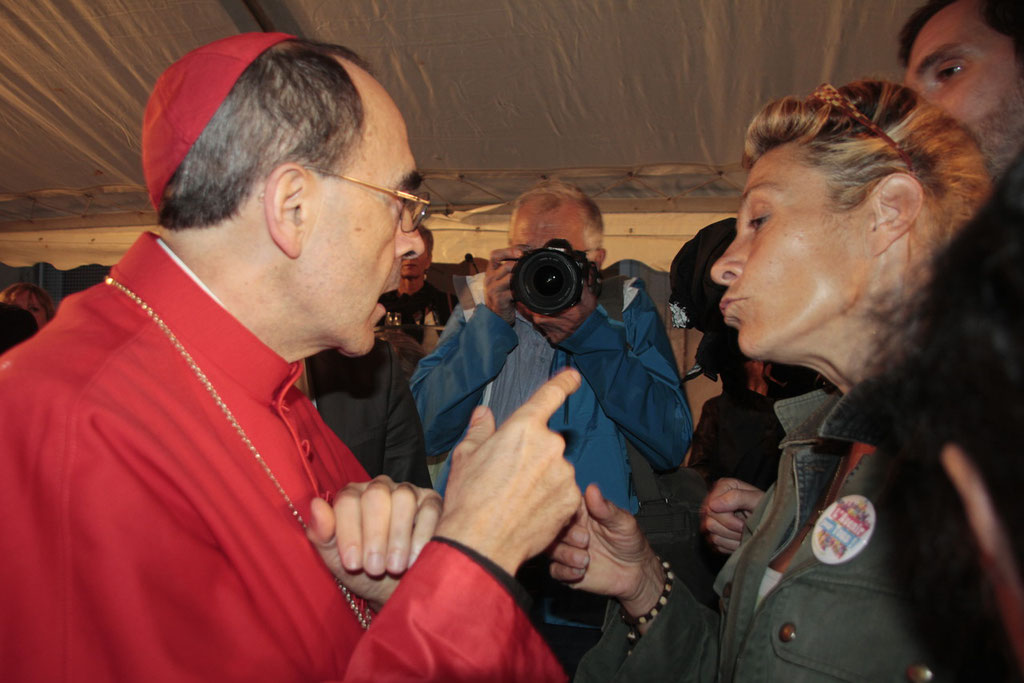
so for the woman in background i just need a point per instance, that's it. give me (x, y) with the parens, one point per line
(31, 298)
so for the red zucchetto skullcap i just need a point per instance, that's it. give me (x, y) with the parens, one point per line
(187, 96)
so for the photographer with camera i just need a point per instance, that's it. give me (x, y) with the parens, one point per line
(538, 308)
(511, 339)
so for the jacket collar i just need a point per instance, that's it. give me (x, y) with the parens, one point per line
(822, 414)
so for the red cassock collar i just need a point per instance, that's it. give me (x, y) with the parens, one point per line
(199, 321)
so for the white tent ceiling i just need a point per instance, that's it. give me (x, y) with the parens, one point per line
(641, 102)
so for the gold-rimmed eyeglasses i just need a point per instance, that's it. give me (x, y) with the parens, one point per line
(414, 204)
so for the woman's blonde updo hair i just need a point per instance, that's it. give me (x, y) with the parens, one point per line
(943, 156)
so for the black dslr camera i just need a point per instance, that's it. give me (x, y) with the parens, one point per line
(551, 279)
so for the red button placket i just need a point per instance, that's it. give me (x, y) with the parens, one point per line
(302, 446)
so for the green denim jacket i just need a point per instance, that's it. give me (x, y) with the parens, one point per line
(844, 622)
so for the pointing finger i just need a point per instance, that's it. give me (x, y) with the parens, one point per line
(545, 401)
(481, 426)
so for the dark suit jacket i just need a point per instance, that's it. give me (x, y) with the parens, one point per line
(366, 401)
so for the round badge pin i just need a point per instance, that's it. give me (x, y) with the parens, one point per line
(843, 529)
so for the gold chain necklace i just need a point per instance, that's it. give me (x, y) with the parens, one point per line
(363, 616)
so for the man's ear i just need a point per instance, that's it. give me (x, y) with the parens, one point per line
(290, 204)
(895, 203)
(597, 257)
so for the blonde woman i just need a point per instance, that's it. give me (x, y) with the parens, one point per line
(849, 194)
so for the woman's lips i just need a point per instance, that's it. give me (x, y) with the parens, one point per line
(724, 306)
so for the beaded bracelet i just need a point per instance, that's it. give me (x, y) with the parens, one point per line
(634, 634)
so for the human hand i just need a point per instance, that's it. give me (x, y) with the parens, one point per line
(558, 328)
(373, 534)
(511, 491)
(498, 283)
(725, 510)
(603, 551)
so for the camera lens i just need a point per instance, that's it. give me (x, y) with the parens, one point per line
(548, 280)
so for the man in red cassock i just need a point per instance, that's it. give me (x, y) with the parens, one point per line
(166, 490)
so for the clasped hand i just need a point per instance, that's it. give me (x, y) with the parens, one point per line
(374, 534)
(510, 492)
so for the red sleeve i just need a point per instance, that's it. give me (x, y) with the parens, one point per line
(451, 620)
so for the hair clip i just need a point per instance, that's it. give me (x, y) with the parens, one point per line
(829, 95)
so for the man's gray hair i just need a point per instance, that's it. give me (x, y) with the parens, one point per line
(294, 103)
(549, 195)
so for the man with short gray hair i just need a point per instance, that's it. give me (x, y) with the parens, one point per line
(495, 351)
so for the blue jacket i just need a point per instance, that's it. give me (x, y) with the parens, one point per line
(630, 390)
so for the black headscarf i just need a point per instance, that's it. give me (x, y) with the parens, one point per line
(695, 297)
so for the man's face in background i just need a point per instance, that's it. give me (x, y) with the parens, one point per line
(963, 65)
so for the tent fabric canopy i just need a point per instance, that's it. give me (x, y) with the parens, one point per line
(643, 103)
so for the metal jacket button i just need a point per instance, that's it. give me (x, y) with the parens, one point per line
(787, 633)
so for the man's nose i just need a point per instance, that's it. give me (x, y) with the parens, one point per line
(409, 245)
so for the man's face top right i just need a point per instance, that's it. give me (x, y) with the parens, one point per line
(969, 69)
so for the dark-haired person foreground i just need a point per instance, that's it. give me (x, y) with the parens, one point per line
(164, 484)
(959, 398)
(849, 193)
